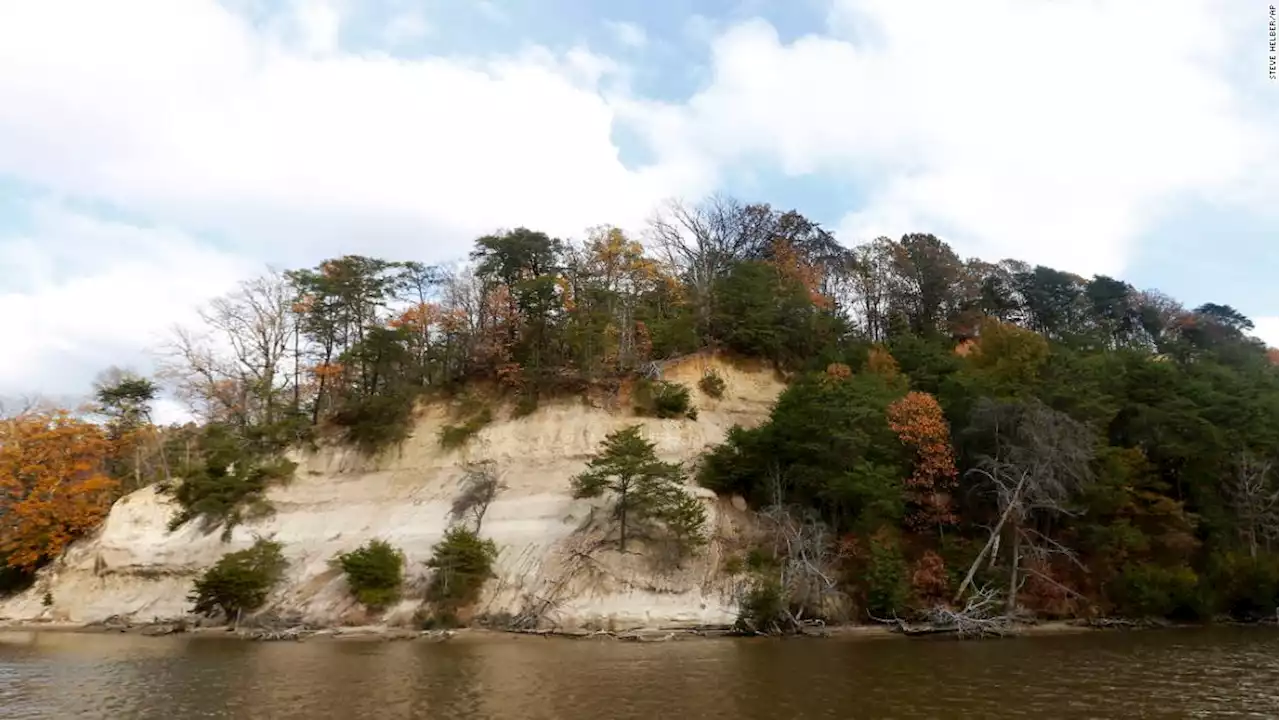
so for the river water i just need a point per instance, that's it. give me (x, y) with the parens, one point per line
(1212, 673)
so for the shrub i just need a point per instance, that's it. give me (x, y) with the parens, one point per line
(1244, 587)
(526, 404)
(886, 575)
(228, 484)
(374, 573)
(240, 581)
(462, 563)
(763, 608)
(47, 600)
(712, 384)
(1145, 590)
(733, 565)
(455, 436)
(374, 422)
(14, 580)
(662, 399)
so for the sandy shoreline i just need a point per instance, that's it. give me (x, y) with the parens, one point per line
(385, 633)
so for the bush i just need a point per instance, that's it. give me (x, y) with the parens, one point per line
(733, 565)
(455, 436)
(1144, 590)
(374, 422)
(240, 581)
(887, 590)
(712, 384)
(662, 399)
(14, 580)
(1243, 587)
(228, 484)
(763, 609)
(526, 404)
(374, 573)
(462, 563)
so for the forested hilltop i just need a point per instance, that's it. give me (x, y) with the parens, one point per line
(954, 433)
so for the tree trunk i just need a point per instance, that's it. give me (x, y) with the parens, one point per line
(1013, 571)
(622, 522)
(995, 533)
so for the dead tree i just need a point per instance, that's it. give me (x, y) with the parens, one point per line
(478, 488)
(1039, 462)
(804, 548)
(1252, 491)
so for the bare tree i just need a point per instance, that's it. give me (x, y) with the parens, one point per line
(1041, 458)
(478, 488)
(701, 241)
(237, 369)
(872, 285)
(1252, 491)
(804, 548)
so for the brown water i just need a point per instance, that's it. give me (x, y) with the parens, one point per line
(1218, 673)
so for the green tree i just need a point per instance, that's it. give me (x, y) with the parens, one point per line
(643, 487)
(374, 572)
(240, 581)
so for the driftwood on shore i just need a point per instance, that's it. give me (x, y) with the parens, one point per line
(976, 619)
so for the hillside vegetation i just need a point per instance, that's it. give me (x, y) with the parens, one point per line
(953, 429)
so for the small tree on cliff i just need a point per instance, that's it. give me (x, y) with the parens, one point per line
(644, 487)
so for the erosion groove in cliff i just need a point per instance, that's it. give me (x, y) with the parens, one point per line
(550, 561)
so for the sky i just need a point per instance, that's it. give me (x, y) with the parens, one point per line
(155, 152)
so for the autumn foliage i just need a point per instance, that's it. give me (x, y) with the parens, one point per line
(918, 420)
(53, 487)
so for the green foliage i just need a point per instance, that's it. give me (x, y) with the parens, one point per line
(1145, 590)
(227, 484)
(886, 582)
(14, 580)
(763, 609)
(240, 581)
(455, 436)
(373, 422)
(828, 438)
(733, 565)
(761, 312)
(663, 399)
(1243, 587)
(462, 563)
(712, 384)
(47, 599)
(374, 573)
(643, 488)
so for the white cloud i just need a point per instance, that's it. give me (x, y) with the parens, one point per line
(118, 289)
(1267, 329)
(319, 22)
(1050, 131)
(406, 27)
(275, 140)
(184, 111)
(628, 34)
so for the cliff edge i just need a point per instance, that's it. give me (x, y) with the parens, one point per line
(134, 567)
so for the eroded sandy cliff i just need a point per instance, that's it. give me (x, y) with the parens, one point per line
(135, 567)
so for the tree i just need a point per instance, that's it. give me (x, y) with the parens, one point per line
(918, 420)
(53, 485)
(1038, 459)
(374, 572)
(240, 581)
(644, 488)
(125, 398)
(1252, 491)
(478, 488)
(928, 274)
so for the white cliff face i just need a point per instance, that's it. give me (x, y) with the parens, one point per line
(337, 501)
